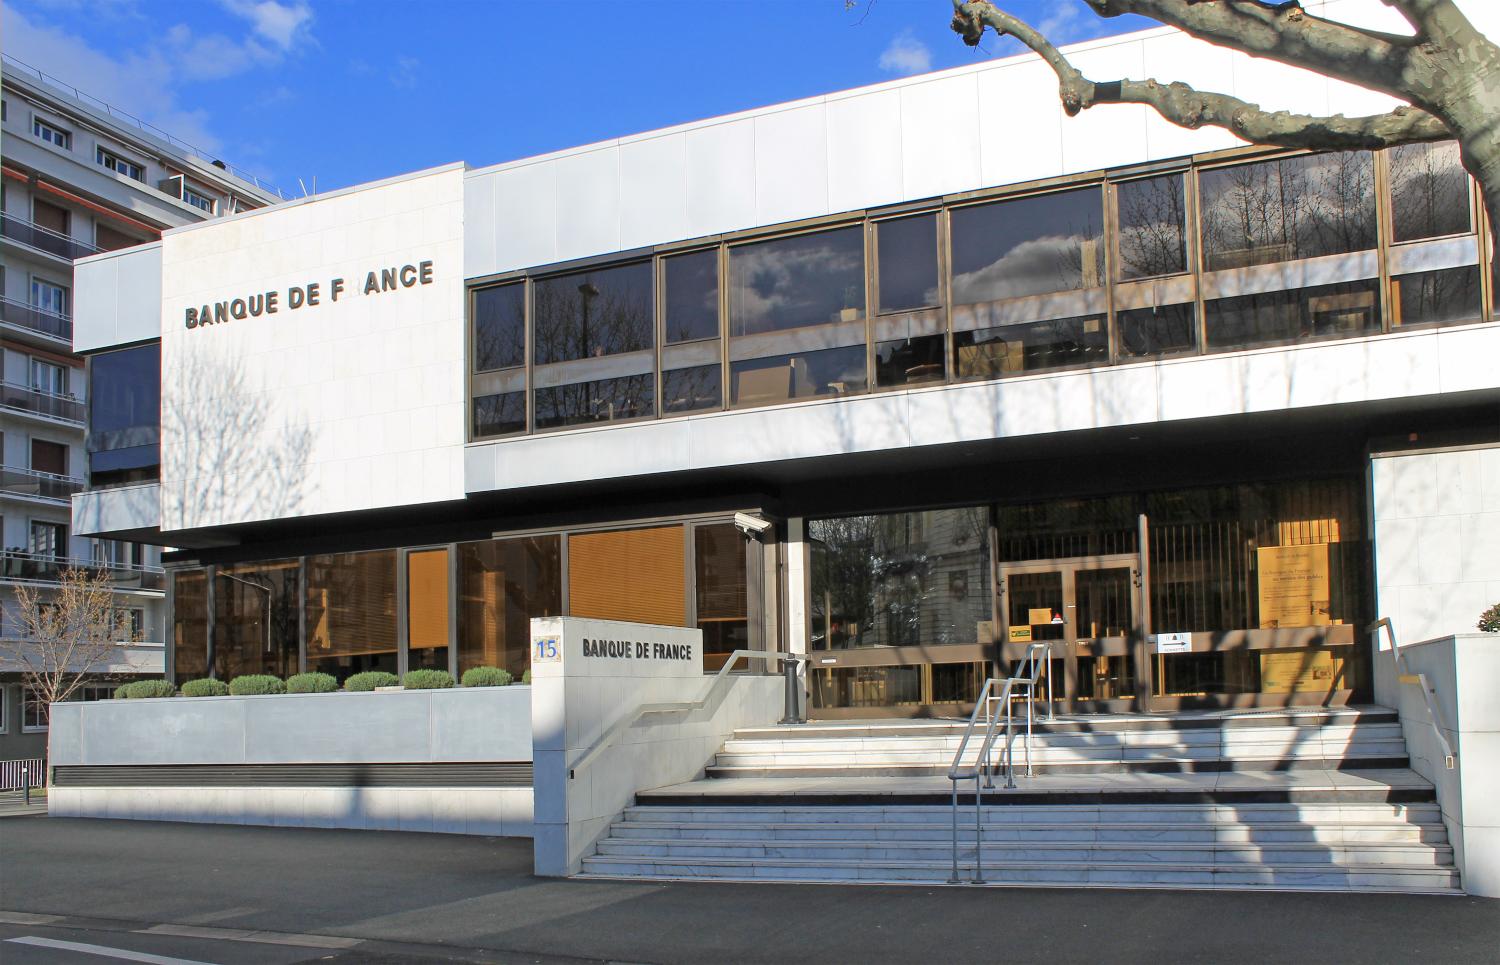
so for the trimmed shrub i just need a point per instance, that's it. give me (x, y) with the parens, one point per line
(486, 677)
(526, 677)
(255, 685)
(427, 680)
(146, 688)
(1489, 620)
(205, 688)
(371, 679)
(311, 683)
(121, 692)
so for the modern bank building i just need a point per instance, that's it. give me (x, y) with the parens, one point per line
(1071, 464)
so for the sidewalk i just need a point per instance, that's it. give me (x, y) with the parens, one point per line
(467, 893)
(13, 803)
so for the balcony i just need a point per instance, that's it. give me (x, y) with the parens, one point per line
(36, 320)
(20, 566)
(43, 486)
(62, 408)
(44, 239)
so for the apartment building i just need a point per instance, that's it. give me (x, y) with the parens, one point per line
(79, 177)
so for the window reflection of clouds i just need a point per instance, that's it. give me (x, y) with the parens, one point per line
(1028, 246)
(794, 282)
(691, 296)
(1300, 207)
(1153, 236)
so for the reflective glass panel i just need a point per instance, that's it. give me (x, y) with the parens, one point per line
(908, 263)
(351, 612)
(427, 620)
(1435, 297)
(1153, 227)
(497, 415)
(592, 314)
(1327, 311)
(1429, 192)
(499, 327)
(1056, 343)
(1154, 332)
(722, 598)
(1300, 207)
(125, 406)
(803, 280)
(901, 579)
(255, 619)
(502, 584)
(692, 389)
(910, 361)
(1027, 246)
(690, 300)
(607, 400)
(782, 378)
(189, 625)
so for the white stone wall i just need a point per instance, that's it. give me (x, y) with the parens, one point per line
(1437, 544)
(356, 403)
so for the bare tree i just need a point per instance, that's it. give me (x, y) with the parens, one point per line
(68, 637)
(1446, 71)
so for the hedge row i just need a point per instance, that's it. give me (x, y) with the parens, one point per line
(319, 683)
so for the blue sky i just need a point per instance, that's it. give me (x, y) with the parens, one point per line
(354, 90)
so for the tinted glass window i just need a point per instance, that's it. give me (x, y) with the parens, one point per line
(687, 390)
(351, 612)
(502, 584)
(1302, 207)
(1153, 232)
(691, 298)
(1443, 297)
(908, 263)
(1326, 311)
(723, 603)
(255, 619)
(1429, 192)
(607, 400)
(794, 282)
(594, 313)
(784, 378)
(1028, 246)
(989, 353)
(496, 415)
(499, 327)
(189, 625)
(1151, 332)
(125, 409)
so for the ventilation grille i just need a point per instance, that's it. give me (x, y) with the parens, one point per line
(294, 775)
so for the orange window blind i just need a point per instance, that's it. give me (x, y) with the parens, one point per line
(427, 599)
(635, 575)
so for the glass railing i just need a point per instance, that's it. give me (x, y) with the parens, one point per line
(25, 399)
(23, 566)
(44, 239)
(37, 320)
(39, 485)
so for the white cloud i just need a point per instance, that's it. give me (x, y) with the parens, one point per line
(1069, 23)
(905, 54)
(404, 73)
(284, 25)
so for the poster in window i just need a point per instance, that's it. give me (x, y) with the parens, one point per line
(1293, 586)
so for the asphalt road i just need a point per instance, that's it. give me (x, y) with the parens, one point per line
(236, 894)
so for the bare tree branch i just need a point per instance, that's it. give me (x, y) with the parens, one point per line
(1190, 108)
(68, 638)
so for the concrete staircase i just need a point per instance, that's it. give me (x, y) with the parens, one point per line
(1306, 800)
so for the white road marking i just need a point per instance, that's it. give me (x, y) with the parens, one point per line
(26, 918)
(104, 951)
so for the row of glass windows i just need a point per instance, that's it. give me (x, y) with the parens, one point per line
(1205, 259)
(1280, 562)
(457, 606)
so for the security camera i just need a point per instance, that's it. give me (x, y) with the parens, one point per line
(751, 525)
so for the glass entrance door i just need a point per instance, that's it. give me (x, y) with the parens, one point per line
(1087, 610)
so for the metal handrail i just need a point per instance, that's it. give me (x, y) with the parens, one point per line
(608, 738)
(36, 319)
(1420, 679)
(44, 239)
(982, 772)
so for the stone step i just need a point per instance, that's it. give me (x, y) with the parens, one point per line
(1196, 815)
(1165, 765)
(733, 756)
(1007, 853)
(1290, 738)
(1120, 874)
(1278, 832)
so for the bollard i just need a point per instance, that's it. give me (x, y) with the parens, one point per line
(26, 785)
(791, 703)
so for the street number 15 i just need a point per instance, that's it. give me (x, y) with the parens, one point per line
(546, 649)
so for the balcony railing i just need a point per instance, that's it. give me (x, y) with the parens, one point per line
(25, 399)
(39, 485)
(21, 566)
(44, 239)
(37, 320)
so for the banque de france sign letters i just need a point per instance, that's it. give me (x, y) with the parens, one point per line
(309, 295)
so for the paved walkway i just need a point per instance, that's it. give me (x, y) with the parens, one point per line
(13, 803)
(474, 899)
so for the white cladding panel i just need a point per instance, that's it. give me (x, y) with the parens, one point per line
(351, 404)
(117, 298)
(984, 125)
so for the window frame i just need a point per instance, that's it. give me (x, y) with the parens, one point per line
(210, 203)
(30, 698)
(48, 132)
(113, 161)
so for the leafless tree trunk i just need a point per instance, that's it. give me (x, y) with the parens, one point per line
(67, 638)
(1446, 71)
